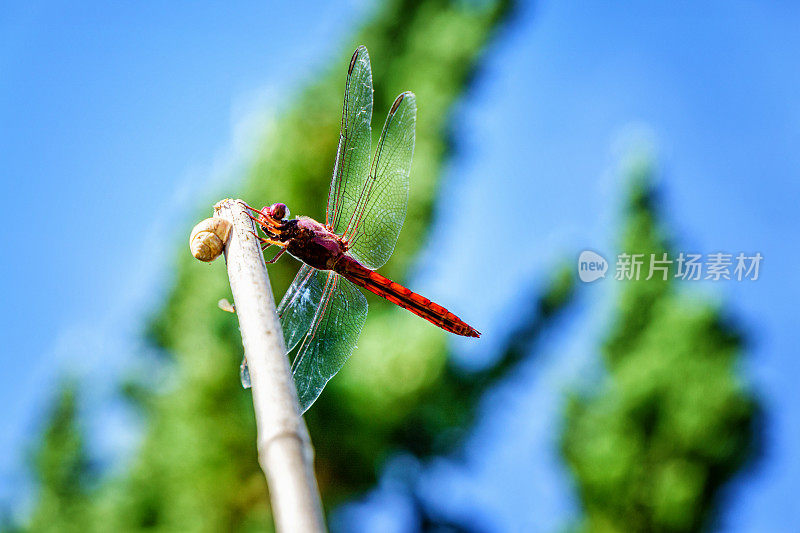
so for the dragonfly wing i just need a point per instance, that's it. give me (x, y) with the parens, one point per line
(296, 310)
(382, 209)
(331, 338)
(299, 305)
(352, 157)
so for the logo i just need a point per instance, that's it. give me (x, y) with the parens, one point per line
(591, 266)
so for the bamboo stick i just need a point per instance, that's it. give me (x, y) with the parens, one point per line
(284, 447)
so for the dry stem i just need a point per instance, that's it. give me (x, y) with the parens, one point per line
(284, 447)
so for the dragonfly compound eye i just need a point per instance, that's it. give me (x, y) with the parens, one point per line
(278, 211)
(208, 238)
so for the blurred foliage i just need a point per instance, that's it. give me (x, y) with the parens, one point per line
(196, 469)
(64, 469)
(649, 450)
(673, 421)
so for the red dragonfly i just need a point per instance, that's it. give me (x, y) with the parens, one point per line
(322, 310)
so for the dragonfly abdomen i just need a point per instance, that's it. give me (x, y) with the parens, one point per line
(404, 297)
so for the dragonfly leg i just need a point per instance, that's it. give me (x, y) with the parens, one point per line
(280, 253)
(258, 220)
(259, 211)
(266, 243)
(255, 219)
(263, 222)
(252, 208)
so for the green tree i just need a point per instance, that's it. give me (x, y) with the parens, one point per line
(673, 421)
(62, 469)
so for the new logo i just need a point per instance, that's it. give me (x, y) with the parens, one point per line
(591, 266)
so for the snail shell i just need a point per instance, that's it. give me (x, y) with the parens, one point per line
(208, 238)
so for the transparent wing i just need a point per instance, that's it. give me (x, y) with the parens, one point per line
(381, 210)
(330, 339)
(299, 305)
(296, 310)
(352, 157)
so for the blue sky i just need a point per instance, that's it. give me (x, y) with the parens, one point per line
(118, 120)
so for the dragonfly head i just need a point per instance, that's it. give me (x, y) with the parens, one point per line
(278, 212)
(272, 219)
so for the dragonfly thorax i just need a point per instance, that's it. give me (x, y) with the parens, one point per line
(313, 243)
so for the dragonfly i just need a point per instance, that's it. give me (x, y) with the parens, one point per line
(323, 311)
